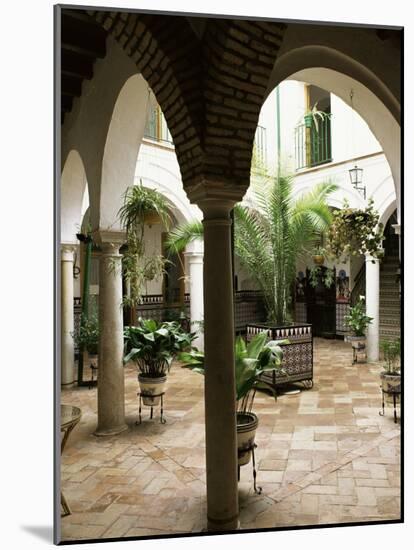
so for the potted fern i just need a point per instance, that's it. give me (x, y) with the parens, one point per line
(313, 116)
(252, 360)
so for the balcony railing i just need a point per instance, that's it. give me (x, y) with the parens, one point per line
(156, 128)
(313, 145)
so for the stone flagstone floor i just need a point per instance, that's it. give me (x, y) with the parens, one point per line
(324, 456)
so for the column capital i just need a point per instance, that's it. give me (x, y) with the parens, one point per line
(106, 236)
(215, 198)
(397, 228)
(110, 241)
(194, 257)
(66, 251)
(195, 249)
(369, 258)
(111, 249)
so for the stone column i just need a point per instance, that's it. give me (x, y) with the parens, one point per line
(67, 316)
(372, 287)
(397, 231)
(195, 255)
(111, 386)
(220, 393)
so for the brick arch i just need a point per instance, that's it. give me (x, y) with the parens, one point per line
(240, 56)
(210, 87)
(167, 54)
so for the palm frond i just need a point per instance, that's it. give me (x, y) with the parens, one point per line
(179, 237)
(139, 202)
(268, 241)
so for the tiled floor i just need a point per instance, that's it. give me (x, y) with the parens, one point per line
(325, 456)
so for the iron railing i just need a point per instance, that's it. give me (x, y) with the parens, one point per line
(313, 146)
(260, 146)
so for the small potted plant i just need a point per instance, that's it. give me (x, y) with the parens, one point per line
(87, 337)
(152, 346)
(311, 117)
(251, 361)
(357, 322)
(391, 375)
(318, 255)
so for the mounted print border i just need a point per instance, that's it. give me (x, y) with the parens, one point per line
(185, 144)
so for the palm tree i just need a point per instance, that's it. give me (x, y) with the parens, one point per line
(271, 236)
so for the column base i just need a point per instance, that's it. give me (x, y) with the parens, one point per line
(68, 385)
(110, 431)
(230, 524)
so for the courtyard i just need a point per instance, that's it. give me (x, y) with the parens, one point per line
(324, 456)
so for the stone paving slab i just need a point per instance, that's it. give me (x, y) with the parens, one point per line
(324, 456)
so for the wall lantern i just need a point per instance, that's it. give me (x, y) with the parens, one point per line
(356, 179)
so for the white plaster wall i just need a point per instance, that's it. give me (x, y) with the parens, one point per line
(376, 176)
(379, 119)
(86, 126)
(153, 236)
(73, 192)
(158, 168)
(351, 136)
(125, 135)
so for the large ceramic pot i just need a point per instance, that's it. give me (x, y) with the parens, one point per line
(247, 423)
(151, 389)
(391, 385)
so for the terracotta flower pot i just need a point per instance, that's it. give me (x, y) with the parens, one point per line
(151, 389)
(247, 423)
(318, 259)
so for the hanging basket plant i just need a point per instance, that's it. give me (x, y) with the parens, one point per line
(141, 205)
(355, 232)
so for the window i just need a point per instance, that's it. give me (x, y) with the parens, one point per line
(260, 144)
(313, 137)
(156, 128)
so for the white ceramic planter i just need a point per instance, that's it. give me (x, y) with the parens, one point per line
(358, 342)
(246, 430)
(151, 389)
